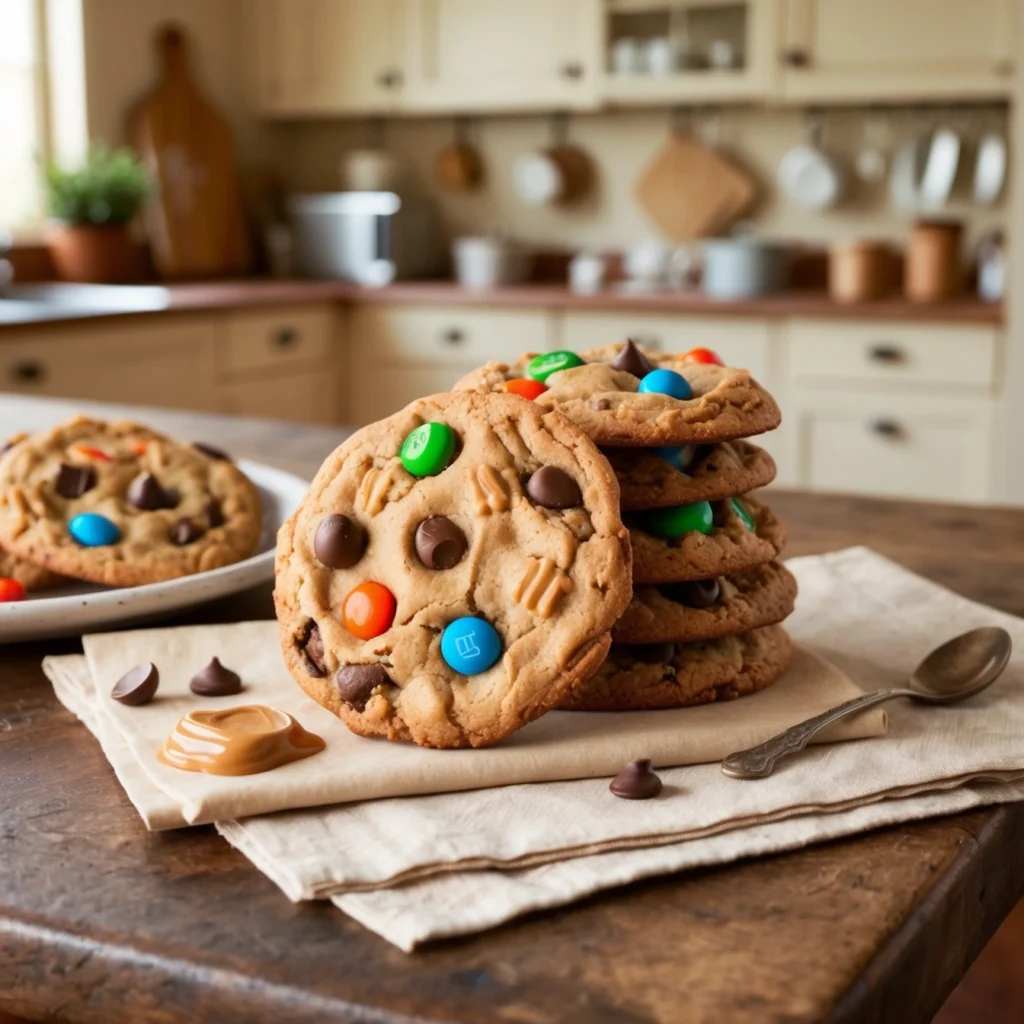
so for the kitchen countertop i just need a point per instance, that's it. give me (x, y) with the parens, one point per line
(101, 921)
(227, 295)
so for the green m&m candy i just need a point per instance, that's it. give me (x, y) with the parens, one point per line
(745, 516)
(428, 449)
(541, 367)
(679, 519)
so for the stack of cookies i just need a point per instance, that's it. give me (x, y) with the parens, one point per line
(708, 593)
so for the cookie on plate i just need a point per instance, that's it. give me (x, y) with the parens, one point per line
(703, 540)
(683, 474)
(681, 675)
(119, 504)
(703, 609)
(453, 571)
(625, 395)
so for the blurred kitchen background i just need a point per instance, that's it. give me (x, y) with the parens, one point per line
(356, 201)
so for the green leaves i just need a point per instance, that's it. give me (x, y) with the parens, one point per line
(109, 189)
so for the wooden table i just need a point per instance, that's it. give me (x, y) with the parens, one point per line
(102, 922)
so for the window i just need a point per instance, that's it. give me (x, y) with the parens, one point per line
(22, 138)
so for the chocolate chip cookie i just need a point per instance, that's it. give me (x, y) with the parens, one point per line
(703, 540)
(453, 571)
(683, 474)
(703, 609)
(625, 395)
(31, 577)
(119, 504)
(636, 678)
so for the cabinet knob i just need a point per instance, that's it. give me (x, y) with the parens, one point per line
(888, 428)
(453, 336)
(572, 70)
(28, 371)
(884, 353)
(390, 79)
(795, 58)
(285, 337)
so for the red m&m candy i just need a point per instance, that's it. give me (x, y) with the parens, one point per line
(368, 610)
(702, 355)
(11, 590)
(524, 387)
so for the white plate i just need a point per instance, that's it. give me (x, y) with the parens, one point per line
(940, 168)
(87, 608)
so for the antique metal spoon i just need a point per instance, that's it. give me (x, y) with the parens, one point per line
(958, 669)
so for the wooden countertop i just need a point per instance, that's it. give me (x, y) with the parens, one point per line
(100, 921)
(806, 304)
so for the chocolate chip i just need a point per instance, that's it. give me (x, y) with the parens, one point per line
(357, 682)
(600, 404)
(184, 531)
(214, 513)
(210, 452)
(651, 654)
(553, 488)
(145, 492)
(694, 594)
(637, 781)
(632, 360)
(312, 647)
(137, 686)
(339, 542)
(74, 481)
(440, 544)
(215, 681)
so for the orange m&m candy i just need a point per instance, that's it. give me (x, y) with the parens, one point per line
(368, 610)
(139, 447)
(11, 590)
(703, 355)
(524, 387)
(90, 453)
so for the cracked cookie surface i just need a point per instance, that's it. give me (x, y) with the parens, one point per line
(681, 675)
(154, 509)
(31, 577)
(518, 525)
(607, 402)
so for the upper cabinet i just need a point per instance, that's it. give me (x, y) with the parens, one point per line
(502, 54)
(330, 56)
(841, 50)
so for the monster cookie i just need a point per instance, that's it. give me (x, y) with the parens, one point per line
(624, 395)
(680, 675)
(453, 571)
(703, 609)
(703, 540)
(116, 503)
(683, 474)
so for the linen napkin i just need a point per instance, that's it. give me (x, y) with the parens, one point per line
(562, 745)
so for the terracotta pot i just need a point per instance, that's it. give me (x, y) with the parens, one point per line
(933, 261)
(859, 271)
(96, 254)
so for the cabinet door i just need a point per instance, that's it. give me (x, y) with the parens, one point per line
(308, 397)
(386, 389)
(890, 49)
(329, 56)
(518, 54)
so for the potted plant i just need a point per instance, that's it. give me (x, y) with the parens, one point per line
(94, 206)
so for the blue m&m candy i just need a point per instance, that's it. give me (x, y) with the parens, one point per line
(470, 645)
(92, 530)
(666, 382)
(680, 456)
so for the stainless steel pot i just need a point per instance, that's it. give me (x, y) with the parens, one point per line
(740, 268)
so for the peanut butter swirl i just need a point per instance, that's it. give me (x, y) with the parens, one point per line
(242, 740)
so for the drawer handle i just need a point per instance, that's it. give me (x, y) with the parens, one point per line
(29, 372)
(886, 428)
(453, 336)
(285, 337)
(389, 79)
(795, 58)
(890, 354)
(572, 70)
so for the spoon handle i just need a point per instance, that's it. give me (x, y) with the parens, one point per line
(759, 762)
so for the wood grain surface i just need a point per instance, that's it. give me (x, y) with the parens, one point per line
(102, 922)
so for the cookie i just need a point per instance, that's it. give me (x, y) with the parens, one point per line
(119, 504)
(453, 571)
(681, 475)
(31, 577)
(681, 675)
(704, 609)
(625, 395)
(703, 540)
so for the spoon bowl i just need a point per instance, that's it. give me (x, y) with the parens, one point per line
(963, 666)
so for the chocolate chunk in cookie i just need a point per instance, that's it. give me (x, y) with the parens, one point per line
(356, 683)
(74, 481)
(632, 360)
(553, 488)
(440, 544)
(145, 493)
(339, 542)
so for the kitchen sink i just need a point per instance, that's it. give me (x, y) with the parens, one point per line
(24, 303)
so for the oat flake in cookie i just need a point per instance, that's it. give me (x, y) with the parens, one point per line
(453, 606)
(119, 504)
(622, 395)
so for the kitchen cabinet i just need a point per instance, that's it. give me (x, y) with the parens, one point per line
(329, 56)
(838, 50)
(502, 54)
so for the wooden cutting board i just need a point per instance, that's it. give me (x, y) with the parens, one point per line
(690, 191)
(196, 224)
